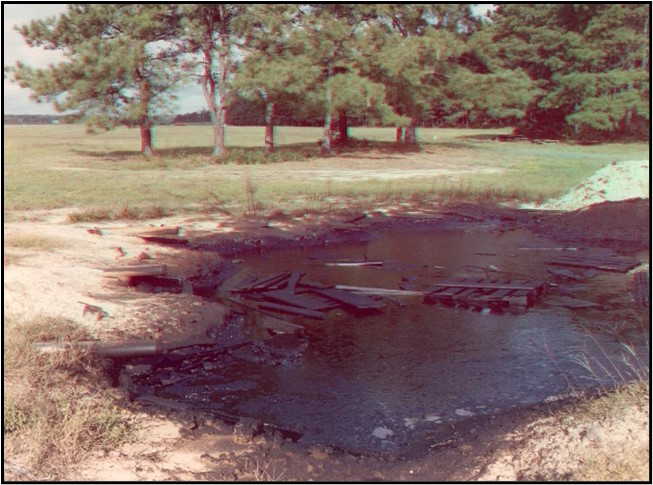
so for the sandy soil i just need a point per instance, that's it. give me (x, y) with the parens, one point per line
(614, 182)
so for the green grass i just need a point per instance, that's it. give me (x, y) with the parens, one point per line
(104, 177)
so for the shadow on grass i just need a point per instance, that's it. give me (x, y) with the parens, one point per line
(258, 155)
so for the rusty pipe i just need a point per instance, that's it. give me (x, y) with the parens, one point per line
(122, 349)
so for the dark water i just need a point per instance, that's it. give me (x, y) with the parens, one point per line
(385, 381)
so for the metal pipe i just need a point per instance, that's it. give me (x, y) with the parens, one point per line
(123, 349)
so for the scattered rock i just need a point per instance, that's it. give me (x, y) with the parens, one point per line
(382, 432)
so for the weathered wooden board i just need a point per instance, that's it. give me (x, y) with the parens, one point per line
(379, 291)
(164, 239)
(350, 299)
(483, 293)
(642, 288)
(605, 263)
(530, 285)
(302, 301)
(136, 270)
(291, 309)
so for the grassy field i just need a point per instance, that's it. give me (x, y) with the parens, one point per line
(104, 176)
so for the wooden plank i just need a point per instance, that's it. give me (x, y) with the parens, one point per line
(312, 285)
(465, 293)
(291, 310)
(164, 239)
(499, 294)
(528, 285)
(520, 297)
(292, 281)
(379, 291)
(356, 263)
(136, 270)
(642, 288)
(447, 292)
(277, 325)
(351, 299)
(245, 283)
(159, 231)
(301, 301)
(267, 283)
(604, 263)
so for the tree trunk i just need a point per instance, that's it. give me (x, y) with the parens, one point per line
(208, 88)
(269, 127)
(410, 136)
(340, 127)
(145, 125)
(146, 139)
(401, 134)
(325, 149)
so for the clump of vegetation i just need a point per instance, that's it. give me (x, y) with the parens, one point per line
(125, 212)
(56, 405)
(258, 156)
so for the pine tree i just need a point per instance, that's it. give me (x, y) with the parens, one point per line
(331, 36)
(208, 36)
(592, 62)
(412, 51)
(481, 91)
(114, 73)
(275, 71)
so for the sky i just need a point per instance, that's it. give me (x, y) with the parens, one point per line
(17, 100)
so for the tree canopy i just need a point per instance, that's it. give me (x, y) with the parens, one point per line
(118, 70)
(551, 70)
(590, 61)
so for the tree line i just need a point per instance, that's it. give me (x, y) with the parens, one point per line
(551, 70)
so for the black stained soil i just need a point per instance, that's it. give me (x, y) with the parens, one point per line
(469, 377)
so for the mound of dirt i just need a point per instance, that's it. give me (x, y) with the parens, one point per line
(614, 182)
(620, 224)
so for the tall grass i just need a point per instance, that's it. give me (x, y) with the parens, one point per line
(56, 406)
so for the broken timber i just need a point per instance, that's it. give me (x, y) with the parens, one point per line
(137, 270)
(355, 264)
(358, 302)
(603, 262)
(485, 293)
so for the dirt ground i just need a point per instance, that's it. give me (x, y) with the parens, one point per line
(542, 443)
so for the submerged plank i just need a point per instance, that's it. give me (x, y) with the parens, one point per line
(301, 301)
(379, 291)
(529, 285)
(605, 263)
(360, 302)
(291, 309)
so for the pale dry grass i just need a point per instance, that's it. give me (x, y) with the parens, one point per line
(56, 407)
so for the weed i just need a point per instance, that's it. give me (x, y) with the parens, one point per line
(56, 407)
(123, 212)
(266, 472)
(31, 241)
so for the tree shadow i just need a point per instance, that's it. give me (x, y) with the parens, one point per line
(254, 155)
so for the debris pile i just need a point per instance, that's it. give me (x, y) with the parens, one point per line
(287, 293)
